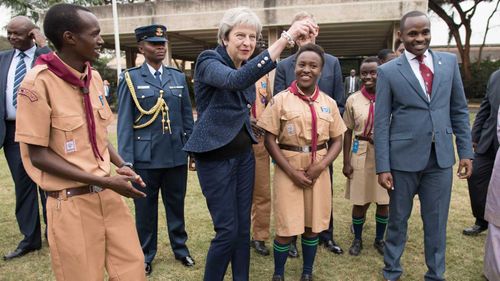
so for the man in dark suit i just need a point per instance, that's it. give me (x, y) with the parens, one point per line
(352, 84)
(27, 43)
(420, 105)
(155, 119)
(485, 146)
(330, 83)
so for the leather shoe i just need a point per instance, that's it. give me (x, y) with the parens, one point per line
(292, 252)
(187, 261)
(474, 230)
(19, 252)
(306, 277)
(379, 245)
(278, 278)
(356, 247)
(260, 247)
(331, 246)
(148, 268)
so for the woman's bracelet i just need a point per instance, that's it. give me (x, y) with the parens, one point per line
(288, 38)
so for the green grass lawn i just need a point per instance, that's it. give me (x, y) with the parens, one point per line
(464, 254)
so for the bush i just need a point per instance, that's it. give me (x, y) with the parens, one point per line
(476, 89)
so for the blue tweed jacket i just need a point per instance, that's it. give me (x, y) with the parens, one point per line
(224, 96)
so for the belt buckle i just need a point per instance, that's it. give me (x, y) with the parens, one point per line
(306, 149)
(95, 188)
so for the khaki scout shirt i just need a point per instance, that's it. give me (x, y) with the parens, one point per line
(262, 97)
(356, 113)
(289, 118)
(51, 114)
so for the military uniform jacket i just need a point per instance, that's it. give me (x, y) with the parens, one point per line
(151, 147)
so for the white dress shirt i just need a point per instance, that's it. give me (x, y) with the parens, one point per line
(9, 89)
(352, 87)
(415, 66)
(152, 70)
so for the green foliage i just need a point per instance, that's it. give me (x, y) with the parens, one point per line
(476, 88)
(35, 8)
(4, 44)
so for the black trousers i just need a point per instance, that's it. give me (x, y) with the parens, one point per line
(482, 167)
(28, 218)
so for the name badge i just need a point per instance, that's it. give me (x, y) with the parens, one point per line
(176, 87)
(70, 146)
(290, 128)
(355, 146)
(143, 87)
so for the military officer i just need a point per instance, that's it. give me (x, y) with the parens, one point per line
(154, 121)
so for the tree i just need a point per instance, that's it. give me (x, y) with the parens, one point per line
(464, 21)
(34, 8)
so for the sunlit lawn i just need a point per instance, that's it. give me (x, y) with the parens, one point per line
(464, 254)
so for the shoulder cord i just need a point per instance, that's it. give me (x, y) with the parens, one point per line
(160, 105)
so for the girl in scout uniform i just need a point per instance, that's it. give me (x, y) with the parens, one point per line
(362, 186)
(303, 135)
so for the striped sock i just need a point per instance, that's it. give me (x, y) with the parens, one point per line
(309, 248)
(357, 223)
(280, 256)
(381, 226)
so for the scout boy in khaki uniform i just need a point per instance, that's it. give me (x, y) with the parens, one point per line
(61, 125)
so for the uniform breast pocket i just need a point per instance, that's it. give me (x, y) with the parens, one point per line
(324, 122)
(147, 98)
(142, 145)
(291, 124)
(68, 133)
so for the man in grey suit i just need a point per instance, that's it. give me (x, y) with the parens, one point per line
(420, 105)
(330, 82)
(14, 63)
(352, 84)
(485, 143)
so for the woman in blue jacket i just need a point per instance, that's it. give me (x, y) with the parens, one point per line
(222, 137)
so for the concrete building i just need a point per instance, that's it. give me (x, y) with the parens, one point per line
(348, 29)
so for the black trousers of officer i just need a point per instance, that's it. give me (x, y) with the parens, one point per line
(171, 182)
(27, 215)
(482, 167)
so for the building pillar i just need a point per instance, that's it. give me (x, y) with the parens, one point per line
(130, 56)
(273, 35)
(395, 29)
(168, 58)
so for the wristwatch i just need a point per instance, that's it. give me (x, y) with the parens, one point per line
(127, 164)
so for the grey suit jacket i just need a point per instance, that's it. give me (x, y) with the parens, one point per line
(5, 60)
(406, 123)
(357, 85)
(330, 81)
(484, 128)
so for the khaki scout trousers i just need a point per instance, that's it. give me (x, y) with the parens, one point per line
(261, 202)
(90, 231)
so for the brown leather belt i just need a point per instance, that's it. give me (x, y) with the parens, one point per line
(304, 149)
(363, 138)
(70, 192)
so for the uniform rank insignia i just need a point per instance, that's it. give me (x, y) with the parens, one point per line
(325, 109)
(27, 93)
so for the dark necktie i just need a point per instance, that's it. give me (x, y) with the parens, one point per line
(426, 73)
(158, 76)
(18, 77)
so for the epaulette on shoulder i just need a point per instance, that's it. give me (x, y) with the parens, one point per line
(35, 71)
(173, 68)
(133, 68)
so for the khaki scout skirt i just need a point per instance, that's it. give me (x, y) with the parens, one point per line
(363, 188)
(295, 207)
